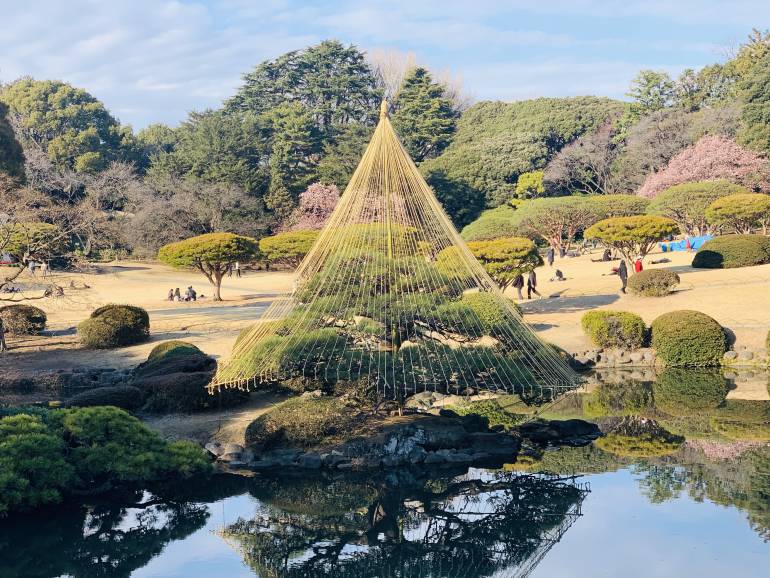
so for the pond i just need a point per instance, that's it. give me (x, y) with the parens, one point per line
(679, 486)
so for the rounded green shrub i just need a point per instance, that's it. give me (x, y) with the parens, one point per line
(303, 422)
(688, 338)
(123, 396)
(683, 392)
(732, 251)
(614, 329)
(172, 348)
(653, 282)
(23, 319)
(114, 326)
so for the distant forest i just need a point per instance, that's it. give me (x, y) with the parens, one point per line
(303, 119)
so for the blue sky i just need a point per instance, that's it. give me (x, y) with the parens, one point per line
(155, 60)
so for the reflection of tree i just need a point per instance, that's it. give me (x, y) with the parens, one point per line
(103, 540)
(399, 525)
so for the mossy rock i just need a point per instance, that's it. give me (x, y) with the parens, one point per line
(123, 396)
(688, 338)
(185, 392)
(645, 445)
(23, 319)
(303, 422)
(114, 326)
(491, 410)
(174, 357)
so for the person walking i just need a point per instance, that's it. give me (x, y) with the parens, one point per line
(3, 345)
(549, 256)
(31, 267)
(237, 269)
(518, 283)
(623, 274)
(44, 269)
(532, 285)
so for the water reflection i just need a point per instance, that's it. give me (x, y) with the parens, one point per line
(402, 524)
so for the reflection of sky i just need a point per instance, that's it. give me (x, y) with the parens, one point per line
(622, 534)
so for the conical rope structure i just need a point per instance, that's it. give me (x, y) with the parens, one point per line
(391, 299)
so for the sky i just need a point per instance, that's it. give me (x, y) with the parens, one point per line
(156, 60)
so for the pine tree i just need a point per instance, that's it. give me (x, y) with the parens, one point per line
(424, 116)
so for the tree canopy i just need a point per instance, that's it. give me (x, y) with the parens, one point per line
(71, 125)
(506, 258)
(212, 254)
(742, 212)
(11, 153)
(287, 248)
(424, 115)
(632, 236)
(687, 203)
(557, 220)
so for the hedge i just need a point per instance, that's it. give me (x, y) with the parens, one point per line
(123, 396)
(114, 326)
(653, 282)
(687, 392)
(731, 251)
(615, 329)
(23, 319)
(688, 338)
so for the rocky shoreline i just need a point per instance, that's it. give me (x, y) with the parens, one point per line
(436, 440)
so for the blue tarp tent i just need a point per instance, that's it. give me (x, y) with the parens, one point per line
(695, 244)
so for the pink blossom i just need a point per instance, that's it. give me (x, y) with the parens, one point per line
(711, 158)
(316, 203)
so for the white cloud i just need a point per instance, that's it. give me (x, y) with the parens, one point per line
(155, 60)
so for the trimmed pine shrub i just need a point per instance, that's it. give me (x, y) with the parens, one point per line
(115, 326)
(688, 338)
(174, 357)
(23, 319)
(123, 396)
(615, 329)
(732, 251)
(653, 282)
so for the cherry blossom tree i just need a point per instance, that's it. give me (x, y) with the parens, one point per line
(711, 158)
(316, 203)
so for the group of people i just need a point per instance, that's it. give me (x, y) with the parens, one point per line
(189, 295)
(622, 271)
(33, 266)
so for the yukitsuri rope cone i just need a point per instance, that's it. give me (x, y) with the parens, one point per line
(390, 299)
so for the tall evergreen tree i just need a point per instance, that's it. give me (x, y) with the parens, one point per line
(332, 81)
(424, 116)
(755, 93)
(11, 154)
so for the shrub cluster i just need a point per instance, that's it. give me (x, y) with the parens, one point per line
(686, 392)
(175, 378)
(123, 396)
(303, 422)
(615, 329)
(688, 338)
(731, 251)
(23, 319)
(47, 455)
(115, 326)
(653, 282)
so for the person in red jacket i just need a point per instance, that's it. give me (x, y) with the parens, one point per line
(638, 265)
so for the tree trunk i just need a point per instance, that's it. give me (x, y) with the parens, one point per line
(217, 285)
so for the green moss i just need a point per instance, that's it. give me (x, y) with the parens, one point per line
(642, 445)
(688, 338)
(491, 409)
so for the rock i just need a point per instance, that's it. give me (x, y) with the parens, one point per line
(649, 356)
(475, 423)
(459, 458)
(264, 464)
(407, 344)
(333, 459)
(623, 359)
(745, 356)
(345, 466)
(448, 413)
(417, 455)
(309, 461)
(443, 400)
(468, 391)
(232, 458)
(434, 458)
(571, 431)
(314, 393)
(232, 448)
(730, 355)
(214, 448)
(248, 456)
(486, 341)
(391, 461)
(636, 356)
(730, 375)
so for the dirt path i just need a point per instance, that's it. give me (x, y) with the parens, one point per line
(225, 426)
